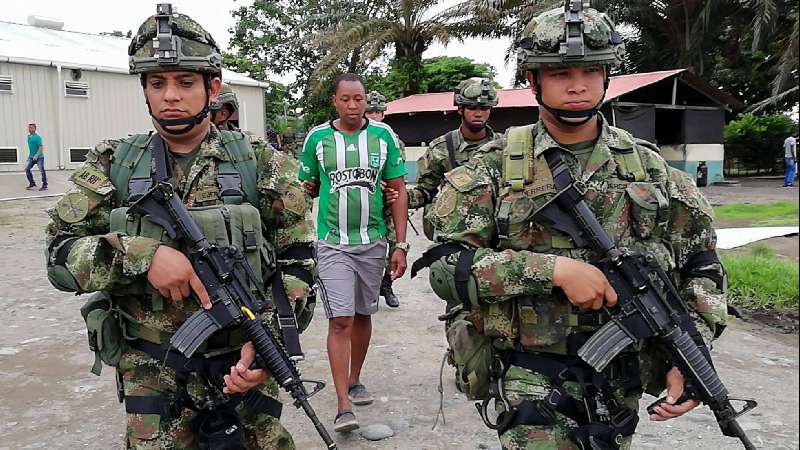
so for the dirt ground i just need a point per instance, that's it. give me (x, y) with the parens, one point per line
(50, 400)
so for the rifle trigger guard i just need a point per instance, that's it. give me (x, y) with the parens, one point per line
(318, 386)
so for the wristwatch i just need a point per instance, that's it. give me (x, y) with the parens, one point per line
(404, 246)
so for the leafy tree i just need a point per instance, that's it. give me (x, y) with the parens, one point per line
(746, 47)
(272, 38)
(408, 27)
(439, 74)
(757, 140)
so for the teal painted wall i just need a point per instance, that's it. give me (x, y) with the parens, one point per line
(690, 167)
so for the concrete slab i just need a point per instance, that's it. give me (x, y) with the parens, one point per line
(13, 184)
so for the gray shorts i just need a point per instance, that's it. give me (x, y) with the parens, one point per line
(349, 277)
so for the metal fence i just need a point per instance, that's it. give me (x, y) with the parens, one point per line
(735, 167)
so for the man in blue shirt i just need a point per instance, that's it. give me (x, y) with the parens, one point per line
(35, 156)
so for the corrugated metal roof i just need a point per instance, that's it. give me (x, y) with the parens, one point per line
(520, 98)
(27, 44)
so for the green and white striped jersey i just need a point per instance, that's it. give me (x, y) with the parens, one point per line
(350, 169)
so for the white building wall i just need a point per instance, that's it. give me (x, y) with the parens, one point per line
(251, 109)
(33, 100)
(115, 108)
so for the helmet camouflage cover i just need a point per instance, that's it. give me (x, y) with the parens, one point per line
(226, 96)
(572, 36)
(168, 41)
(475, 92)
(376, 102)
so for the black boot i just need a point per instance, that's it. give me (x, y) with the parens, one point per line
(387, 292)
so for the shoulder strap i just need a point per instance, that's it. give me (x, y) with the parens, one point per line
(125, 165)
(451, 150)
(517, 156)
(242, 164)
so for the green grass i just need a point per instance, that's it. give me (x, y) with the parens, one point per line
(765, 215)
(759, 280)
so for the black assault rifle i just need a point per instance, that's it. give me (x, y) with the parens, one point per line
(648, 305)
(227, 277)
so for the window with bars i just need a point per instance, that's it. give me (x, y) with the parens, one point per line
(76, 89)
(6, 84)
(9, 155)
(78, 154)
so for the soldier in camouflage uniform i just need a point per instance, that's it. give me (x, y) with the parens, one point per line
(376, 108)
(521, 298)
(143, 281)
(475, 98)
(224, 108)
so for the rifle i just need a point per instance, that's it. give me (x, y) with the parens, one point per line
(227, 277)
(648, 305)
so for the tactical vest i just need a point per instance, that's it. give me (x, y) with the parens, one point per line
(638, 216)
(232, 222)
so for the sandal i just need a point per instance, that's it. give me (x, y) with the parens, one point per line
(359, 395)
(345, 422)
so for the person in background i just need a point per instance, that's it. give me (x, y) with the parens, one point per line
(35, 157)
(790, 153)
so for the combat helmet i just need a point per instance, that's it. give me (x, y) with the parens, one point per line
(168, 41)
(376, 102)
(575, 35)
(226, 97)
(475, 91)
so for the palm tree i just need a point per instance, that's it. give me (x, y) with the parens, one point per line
(408, 27)
(784, 85)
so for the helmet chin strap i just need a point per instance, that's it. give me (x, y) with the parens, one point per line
(190, 122)
(568, 117)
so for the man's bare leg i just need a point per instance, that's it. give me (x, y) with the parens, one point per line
(359, 344)
(339, 335)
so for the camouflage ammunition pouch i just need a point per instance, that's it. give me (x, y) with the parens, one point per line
(471, 355)
(650, 210)
(104, 331)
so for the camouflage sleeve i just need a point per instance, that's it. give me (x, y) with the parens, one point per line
(271, 178)
(431, 175)
(82, 254)
(691, 234)
(464, 212)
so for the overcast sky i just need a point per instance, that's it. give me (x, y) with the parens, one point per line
(95, 16)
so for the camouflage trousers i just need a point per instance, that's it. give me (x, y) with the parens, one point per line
(523, 384)
(144, 376)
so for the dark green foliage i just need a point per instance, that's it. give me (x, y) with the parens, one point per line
(758, 139)
(439, 74)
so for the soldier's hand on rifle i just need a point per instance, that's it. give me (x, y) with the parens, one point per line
(172, 274)
(584, 284)
(242, 379)
(669, 410)
(389, 195)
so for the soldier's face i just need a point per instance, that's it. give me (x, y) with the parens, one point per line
(571, 88)
(350, 101)
(475, 117)
(178, 95)
(221, 115)
(375, 115)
